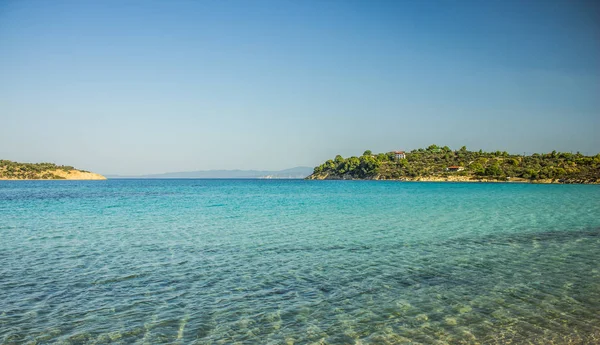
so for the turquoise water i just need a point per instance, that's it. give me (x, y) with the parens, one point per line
(298, 262)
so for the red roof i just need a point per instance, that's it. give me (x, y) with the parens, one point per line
(399, 152)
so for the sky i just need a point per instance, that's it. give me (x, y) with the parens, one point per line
(139, 87)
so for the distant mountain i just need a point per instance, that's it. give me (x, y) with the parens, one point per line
(293, 173)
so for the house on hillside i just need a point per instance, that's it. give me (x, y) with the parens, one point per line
(453, 168)
(399, 154)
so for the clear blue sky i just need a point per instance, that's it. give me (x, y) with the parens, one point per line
(132, 87)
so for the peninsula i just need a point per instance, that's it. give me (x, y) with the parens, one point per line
(440, 164)
(43, 171)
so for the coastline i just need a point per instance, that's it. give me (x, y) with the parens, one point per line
(72, 175)
(442, 164)
(461, 179)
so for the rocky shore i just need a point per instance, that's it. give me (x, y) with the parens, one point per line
(454, 178)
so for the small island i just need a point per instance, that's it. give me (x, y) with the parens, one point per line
(441, 164)
(10, 170)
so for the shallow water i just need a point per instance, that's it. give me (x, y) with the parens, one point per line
(298, 262)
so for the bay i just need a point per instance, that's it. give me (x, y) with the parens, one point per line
(298, 262)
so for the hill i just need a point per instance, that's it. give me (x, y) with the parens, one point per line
(293, 173)
(43, 171)
(437, 163)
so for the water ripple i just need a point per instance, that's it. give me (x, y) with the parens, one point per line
(298, 262)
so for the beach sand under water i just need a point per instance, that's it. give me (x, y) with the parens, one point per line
(298, 262)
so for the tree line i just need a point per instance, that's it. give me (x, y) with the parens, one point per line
(33, 171)
(434, 161)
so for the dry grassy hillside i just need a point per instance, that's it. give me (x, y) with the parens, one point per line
(43, 171)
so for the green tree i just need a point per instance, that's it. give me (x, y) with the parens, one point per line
(354, 162)
(530, 173)
(382, 157)
(477, 168)
(493, 170)
(368, 166)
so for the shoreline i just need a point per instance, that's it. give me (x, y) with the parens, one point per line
(52, 179)
(72, 175)
(455, 179)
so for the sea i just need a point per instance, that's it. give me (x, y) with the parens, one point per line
(186, 261)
